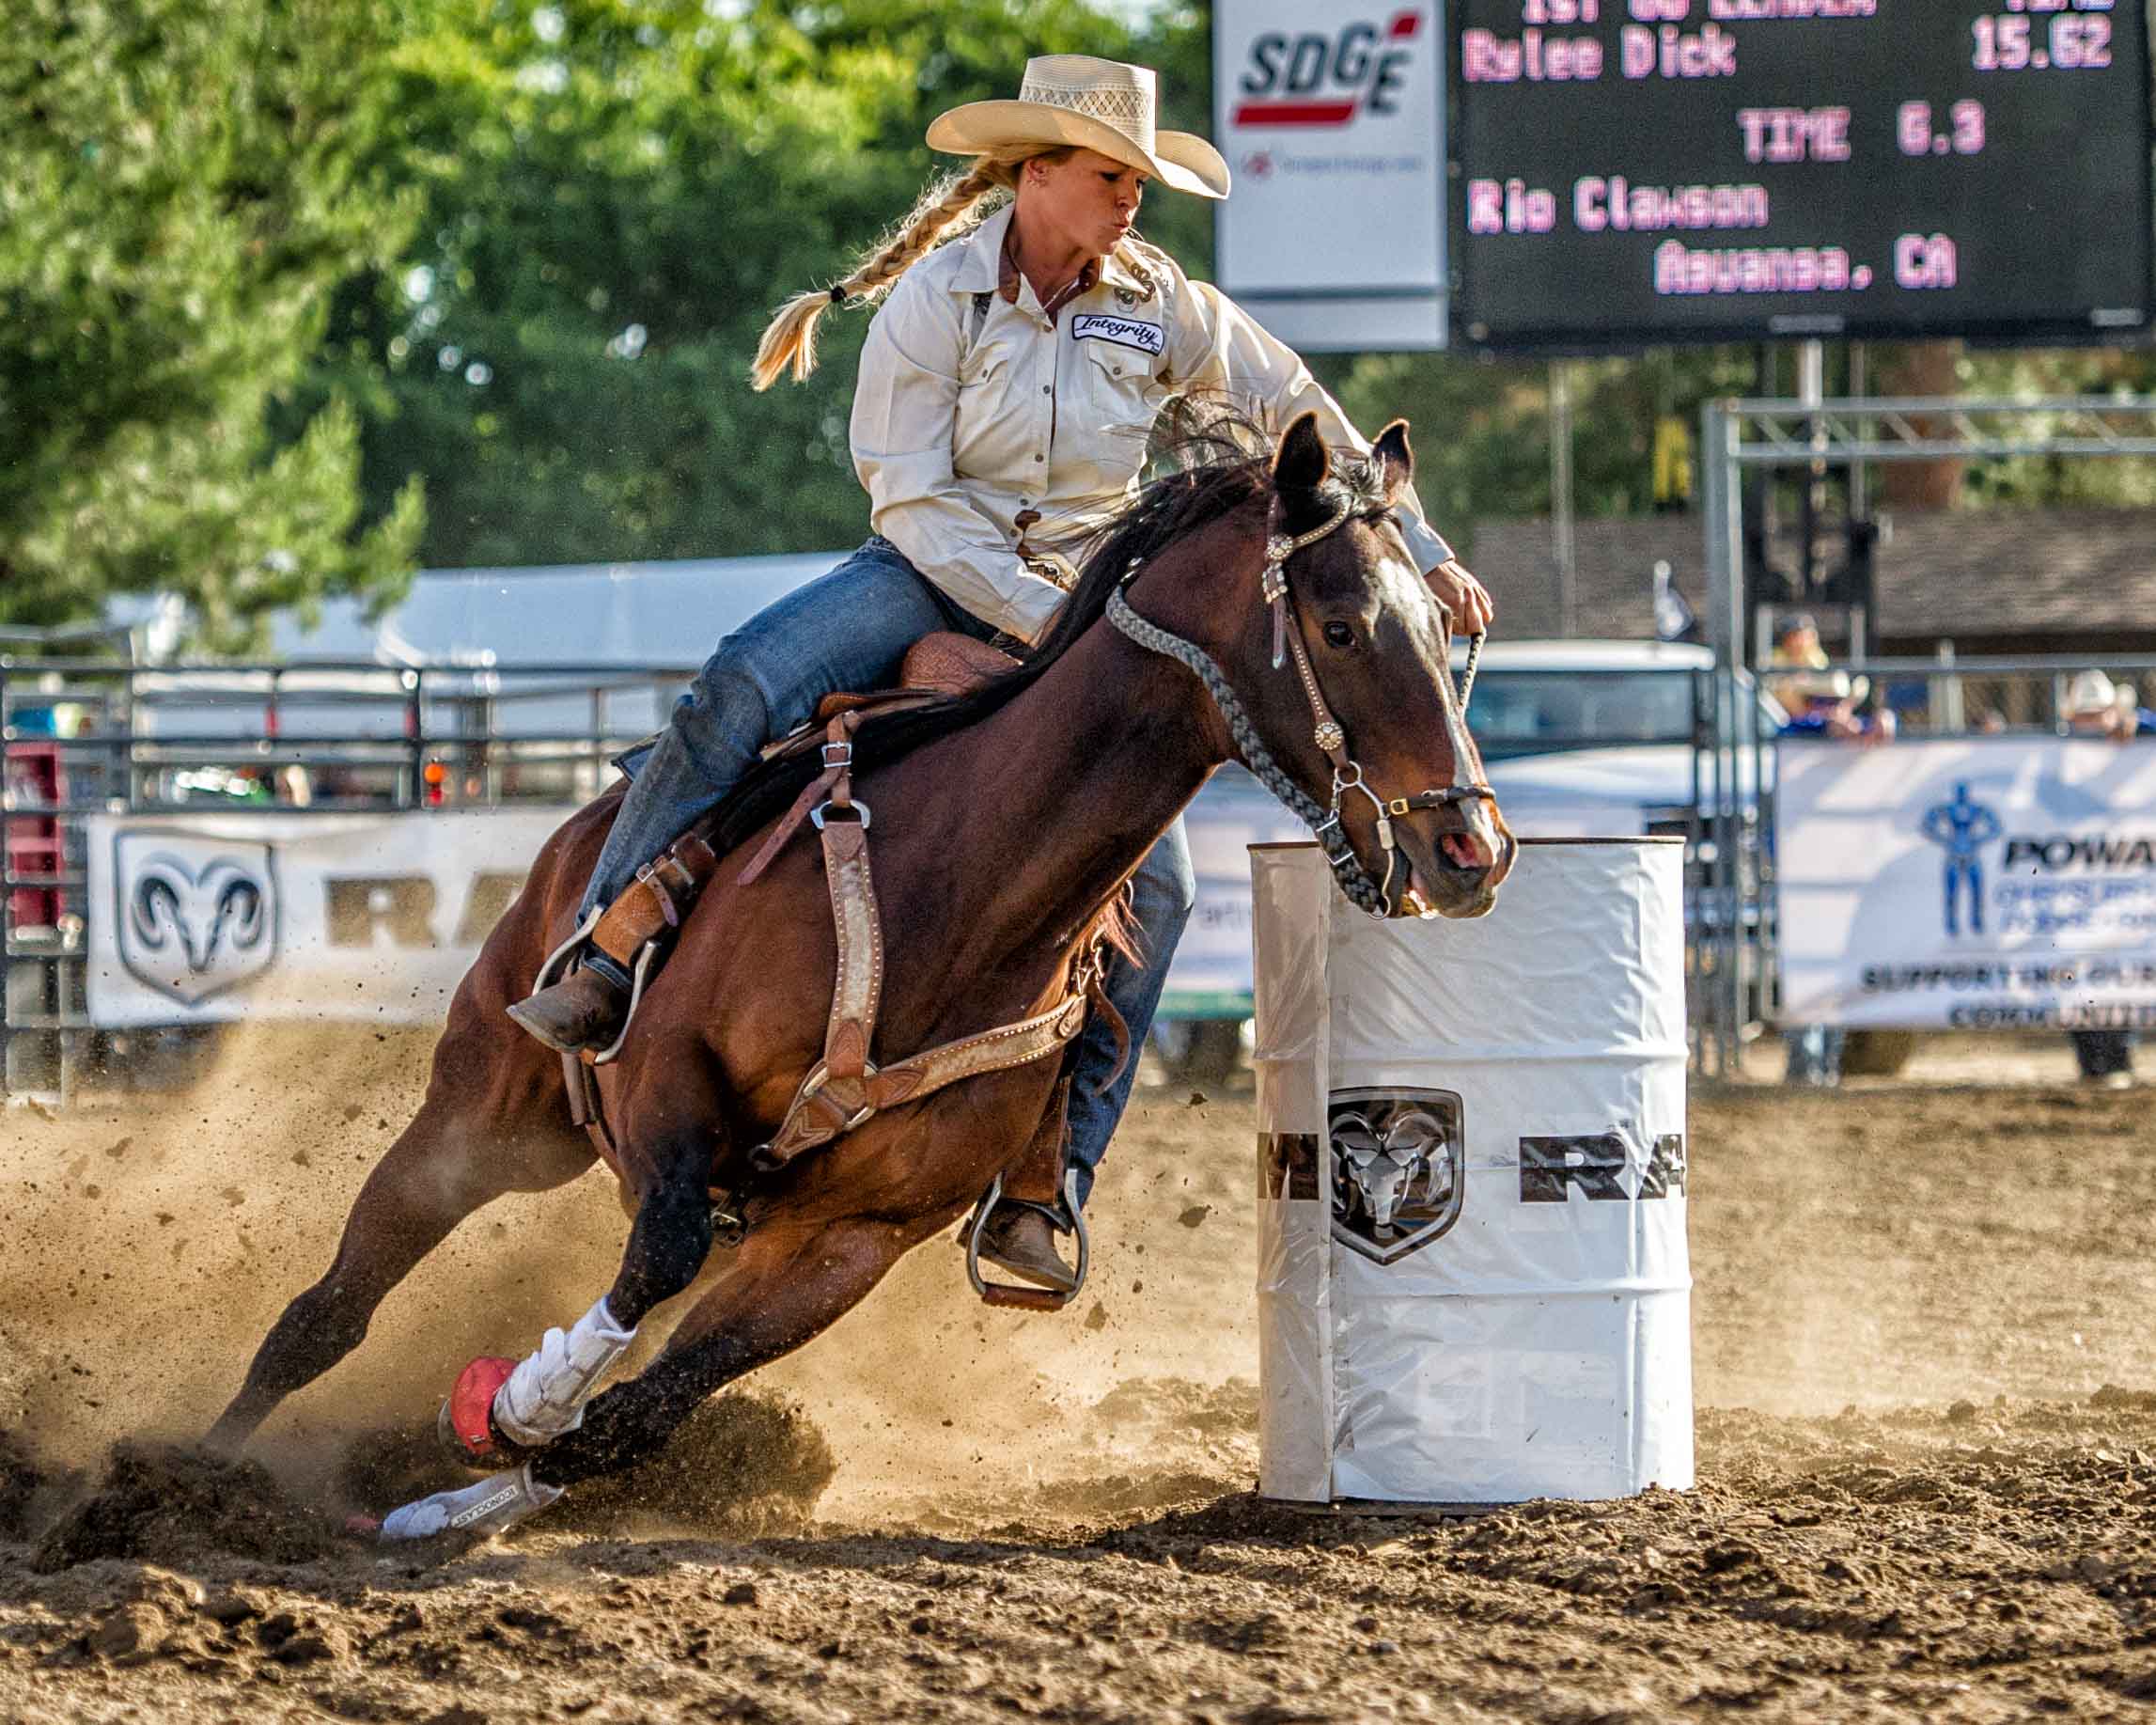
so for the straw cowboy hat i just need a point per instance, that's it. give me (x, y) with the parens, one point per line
(1095, 104)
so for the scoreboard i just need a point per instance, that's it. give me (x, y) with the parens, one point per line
(1629, 172)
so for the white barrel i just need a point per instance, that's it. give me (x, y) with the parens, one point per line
(1473, 1281)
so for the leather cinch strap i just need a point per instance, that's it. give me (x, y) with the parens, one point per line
(834, 785)
(845, 1089)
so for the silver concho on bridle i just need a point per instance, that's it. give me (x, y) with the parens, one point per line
(1374, 897)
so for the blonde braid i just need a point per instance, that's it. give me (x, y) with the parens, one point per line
(950, 209)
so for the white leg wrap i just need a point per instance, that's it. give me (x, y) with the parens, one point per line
(492, 1506)
(544, 1396)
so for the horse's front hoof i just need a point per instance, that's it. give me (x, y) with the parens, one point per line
(492, 1506)
(465, 1424)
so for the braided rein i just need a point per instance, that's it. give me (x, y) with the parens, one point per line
(1354, 880)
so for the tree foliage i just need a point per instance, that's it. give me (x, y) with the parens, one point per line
(270, 267)
(184, 186)
(617, 194)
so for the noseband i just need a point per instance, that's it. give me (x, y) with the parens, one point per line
(1330, 736)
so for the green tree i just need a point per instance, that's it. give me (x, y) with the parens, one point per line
(617, 195)
(183, 188)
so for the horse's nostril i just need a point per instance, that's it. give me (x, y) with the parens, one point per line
(1467, 851)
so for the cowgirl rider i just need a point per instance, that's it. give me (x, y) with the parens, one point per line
(1011, 376)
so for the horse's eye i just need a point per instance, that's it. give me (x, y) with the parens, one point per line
(1340, 635)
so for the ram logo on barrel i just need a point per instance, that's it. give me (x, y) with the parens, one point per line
(1399, 1161)
(197, 914)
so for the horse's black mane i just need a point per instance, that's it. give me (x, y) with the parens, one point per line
(1216, 459)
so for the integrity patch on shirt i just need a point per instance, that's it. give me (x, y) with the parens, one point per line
(1123, 332)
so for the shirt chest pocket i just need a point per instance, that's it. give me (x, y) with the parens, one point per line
(1122, 383)
(989, 415)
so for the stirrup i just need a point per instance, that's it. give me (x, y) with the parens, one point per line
(1066, 1216)
(559, 956)
(555, 960)
(645, 956)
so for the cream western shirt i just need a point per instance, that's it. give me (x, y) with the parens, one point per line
(972, 410)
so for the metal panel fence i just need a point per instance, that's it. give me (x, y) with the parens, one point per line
(1817, 435)
(88, 737)
(93, 736)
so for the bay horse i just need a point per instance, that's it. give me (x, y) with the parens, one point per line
(1008, 819)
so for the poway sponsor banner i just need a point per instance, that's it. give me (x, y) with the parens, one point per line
(1332, 120)
(1980, 883)
(202, 919)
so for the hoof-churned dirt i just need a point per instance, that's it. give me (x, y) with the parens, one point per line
(1924, 1363)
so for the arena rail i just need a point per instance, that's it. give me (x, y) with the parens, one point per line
(89, 737)
(86, 736)
(96, 737)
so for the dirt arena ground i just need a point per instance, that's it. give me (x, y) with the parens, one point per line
(1926, 1373)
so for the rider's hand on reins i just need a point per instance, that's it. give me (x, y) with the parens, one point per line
(1465, 597)
(1051, 566)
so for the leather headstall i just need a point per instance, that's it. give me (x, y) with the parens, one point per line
(1327, 732)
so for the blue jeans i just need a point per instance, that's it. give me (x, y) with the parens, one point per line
(1163, 890)
(849, 631)
(1814, 1054)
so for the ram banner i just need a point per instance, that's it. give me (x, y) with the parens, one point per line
(204, 919)
(1976, 883)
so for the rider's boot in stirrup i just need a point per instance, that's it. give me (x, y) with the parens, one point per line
(1020, 1238)
(588, 1010)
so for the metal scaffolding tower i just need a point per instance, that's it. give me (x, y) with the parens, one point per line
(1733, 917)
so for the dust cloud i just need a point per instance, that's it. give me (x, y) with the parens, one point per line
(157, 1238)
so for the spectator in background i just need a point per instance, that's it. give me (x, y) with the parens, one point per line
(1796, 648)
(2096, 707)
(1824, 703)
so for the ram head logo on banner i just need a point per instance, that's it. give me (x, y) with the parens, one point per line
(196, 916)
(1400, 1164)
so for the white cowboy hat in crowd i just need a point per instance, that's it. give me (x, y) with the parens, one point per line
(1095, 104)
(2090, 691)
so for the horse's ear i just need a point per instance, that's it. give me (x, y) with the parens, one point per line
(1301, 462)
(1394, 460)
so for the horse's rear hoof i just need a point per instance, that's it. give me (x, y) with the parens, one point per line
(465, 1424)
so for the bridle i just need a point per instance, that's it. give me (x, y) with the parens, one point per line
(1376, 897)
